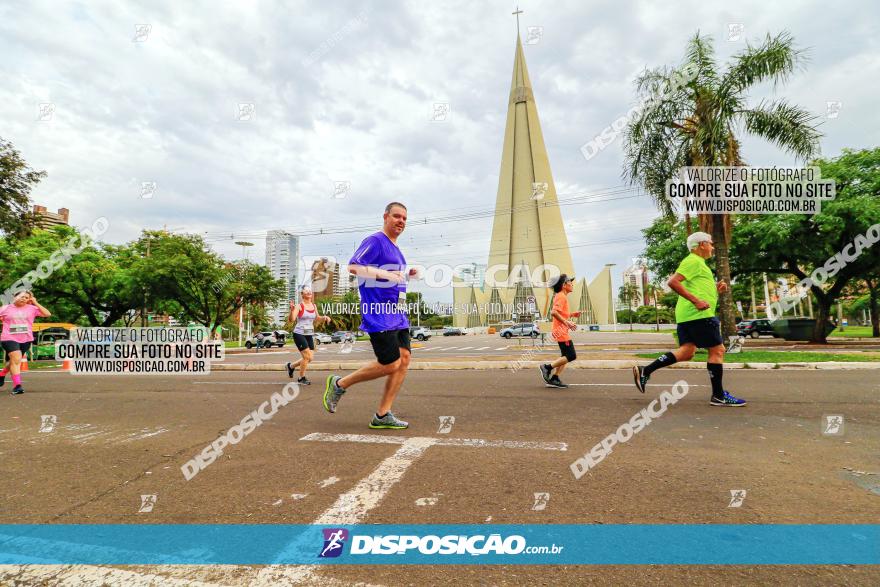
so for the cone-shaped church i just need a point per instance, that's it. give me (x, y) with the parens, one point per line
(529, 243)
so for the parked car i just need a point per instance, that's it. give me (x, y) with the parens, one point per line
(419, 333)
(269, 340)
(450, 331)
(755, 328)
(341, 336)
(527, 329)
(323, 338)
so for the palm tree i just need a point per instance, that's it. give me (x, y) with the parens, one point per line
(627, 294)
(696, 123)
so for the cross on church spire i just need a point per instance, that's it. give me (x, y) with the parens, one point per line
(517, 13)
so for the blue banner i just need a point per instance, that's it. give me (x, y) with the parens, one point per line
(258, 544)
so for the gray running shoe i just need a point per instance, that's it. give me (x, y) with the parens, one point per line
(545, 372)
(332, 393)
(389, 420)
(555, 381)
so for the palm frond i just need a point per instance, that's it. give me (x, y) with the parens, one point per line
(787, 125)
(701, 53)
(775, 59)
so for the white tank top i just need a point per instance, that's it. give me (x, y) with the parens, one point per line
(305, 320)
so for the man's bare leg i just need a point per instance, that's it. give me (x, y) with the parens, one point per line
(368, 372)
(394, 383)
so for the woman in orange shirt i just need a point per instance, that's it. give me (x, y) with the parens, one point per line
(561, 328)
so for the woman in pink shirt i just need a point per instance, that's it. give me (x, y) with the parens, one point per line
(18, 333)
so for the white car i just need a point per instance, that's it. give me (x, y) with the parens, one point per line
(323, 338)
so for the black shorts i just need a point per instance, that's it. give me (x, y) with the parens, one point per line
(304, 341)
(704, 333)
(10, 346)
(567, 349)
(387, 344)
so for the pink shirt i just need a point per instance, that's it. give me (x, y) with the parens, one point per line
(18, 322)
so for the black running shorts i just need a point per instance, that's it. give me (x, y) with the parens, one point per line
(304, 341)
(704, 333)
(387, 344)
(567, 349)
(10, 346)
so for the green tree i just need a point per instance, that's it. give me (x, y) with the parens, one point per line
(627, 294)
(695, 124)
(796, 244)
(180, 268)
(343, 321)
(97, 286)
(17, 180)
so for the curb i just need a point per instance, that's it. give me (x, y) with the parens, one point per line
(518, 365)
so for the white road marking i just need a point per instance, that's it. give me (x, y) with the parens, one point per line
(482, 348)
(625, 385)
(464, 348)
(354, 505)
(145, 433)
(328, 481)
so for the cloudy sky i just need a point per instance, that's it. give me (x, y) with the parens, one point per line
(344, 92)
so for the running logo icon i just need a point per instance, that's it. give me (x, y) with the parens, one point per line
(541, 501)
(47, 423)
(334, 540)
(833, 425)
(147, 503)
(737, 497)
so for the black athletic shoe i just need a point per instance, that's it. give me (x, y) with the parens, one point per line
(545, 372)
(303, 381)
(290, 371)
(640, 378)
(2, 380)
(17, 390)
(555, 381)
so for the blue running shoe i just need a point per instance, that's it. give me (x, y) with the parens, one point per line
(727, 400)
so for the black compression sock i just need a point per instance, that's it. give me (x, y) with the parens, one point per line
(716, 371)
(663, 360)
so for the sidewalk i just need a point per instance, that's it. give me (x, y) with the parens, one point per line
(446, 365)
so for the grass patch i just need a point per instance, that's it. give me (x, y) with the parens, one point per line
(852, 332)
(784, 357)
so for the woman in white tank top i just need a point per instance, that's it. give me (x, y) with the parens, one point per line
(306, 316)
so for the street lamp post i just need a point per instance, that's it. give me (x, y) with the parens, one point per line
(611, 294)
(244, 245)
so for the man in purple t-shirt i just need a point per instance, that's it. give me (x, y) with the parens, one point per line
(382, 275)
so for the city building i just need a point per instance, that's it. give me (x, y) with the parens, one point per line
(282, 259)
(46, 219)
(636, 275)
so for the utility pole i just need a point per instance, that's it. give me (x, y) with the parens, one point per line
(144, 306)
(241, 310)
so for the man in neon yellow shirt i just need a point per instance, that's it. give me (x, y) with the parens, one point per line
(697, 325)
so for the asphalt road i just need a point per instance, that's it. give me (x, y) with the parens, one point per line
(117, 438)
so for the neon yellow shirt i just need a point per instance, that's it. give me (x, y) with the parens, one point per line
(698, 280)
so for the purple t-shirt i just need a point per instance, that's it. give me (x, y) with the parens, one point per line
(379, 297)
